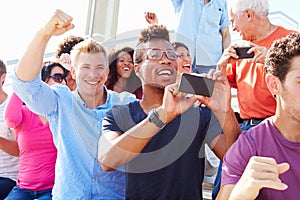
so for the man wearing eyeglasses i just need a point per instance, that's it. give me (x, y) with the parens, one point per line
(159, 140)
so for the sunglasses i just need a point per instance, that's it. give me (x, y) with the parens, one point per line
(156, 54)
(58, 78)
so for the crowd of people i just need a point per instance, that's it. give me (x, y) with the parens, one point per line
(99, 124)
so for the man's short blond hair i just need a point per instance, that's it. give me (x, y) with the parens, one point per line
(89, 46)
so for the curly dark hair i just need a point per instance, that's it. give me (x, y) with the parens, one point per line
(133, 81)
(280, 55)
(147, 34)
(154, 32)
(67, 44)
(113, 58)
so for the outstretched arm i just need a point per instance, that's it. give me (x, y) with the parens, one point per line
(59, 23)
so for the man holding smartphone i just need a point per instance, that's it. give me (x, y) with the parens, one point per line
(195, 84)
(160, 139)
(247, 75)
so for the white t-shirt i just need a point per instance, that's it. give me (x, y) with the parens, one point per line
(9, 165)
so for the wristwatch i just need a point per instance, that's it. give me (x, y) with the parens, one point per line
(153, 118)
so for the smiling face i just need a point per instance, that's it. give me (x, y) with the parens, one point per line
(240, 23)
(124, 65)
(184, 60)
(56, 70)
(90, 73)
(157, 73)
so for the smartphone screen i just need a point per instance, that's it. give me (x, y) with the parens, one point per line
(242, 52)
(193, 84)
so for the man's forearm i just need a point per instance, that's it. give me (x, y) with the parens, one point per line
(114, 152)
(231, 130)
(231, 127)
(226, 38)
(30, 63)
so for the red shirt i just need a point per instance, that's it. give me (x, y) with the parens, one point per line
(254, 98)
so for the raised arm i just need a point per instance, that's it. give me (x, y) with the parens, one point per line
(59, 23)
(151, 18)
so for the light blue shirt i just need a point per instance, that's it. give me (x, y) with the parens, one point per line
(76, 130)
(199, 26)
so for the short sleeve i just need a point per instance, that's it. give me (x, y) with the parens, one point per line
(118, 119)
(177, 5)
(214, 129)
(231, 74)
(108, 123)
(236, 159)
(225, 22)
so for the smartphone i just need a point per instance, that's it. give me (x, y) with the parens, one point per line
(193, 84)
(242, 52)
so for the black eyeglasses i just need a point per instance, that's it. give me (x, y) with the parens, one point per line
(58, 78)
(156, 54)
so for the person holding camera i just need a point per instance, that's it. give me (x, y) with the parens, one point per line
(264, 162)
(247, 75)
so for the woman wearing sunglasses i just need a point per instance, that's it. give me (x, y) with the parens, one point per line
(36, 148)
(53, 72)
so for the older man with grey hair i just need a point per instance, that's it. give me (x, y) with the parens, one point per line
(247, 75)
(263, 162)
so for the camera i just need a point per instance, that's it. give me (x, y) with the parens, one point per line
(242, 52)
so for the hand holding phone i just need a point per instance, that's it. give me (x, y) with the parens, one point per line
(193, 84)
(241, 52)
